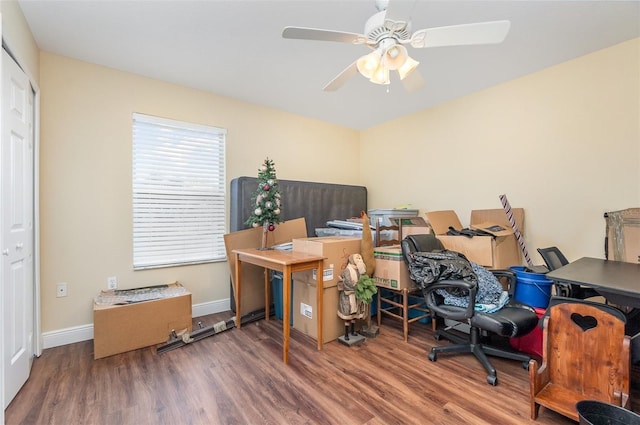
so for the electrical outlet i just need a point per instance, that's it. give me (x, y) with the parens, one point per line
(112, 282)
(61, 290)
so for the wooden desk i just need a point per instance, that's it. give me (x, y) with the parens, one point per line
(617, 281)
(286, 262)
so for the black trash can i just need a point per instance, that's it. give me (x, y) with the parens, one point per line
(592, 412)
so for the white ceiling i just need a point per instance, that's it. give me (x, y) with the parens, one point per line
(235, 49)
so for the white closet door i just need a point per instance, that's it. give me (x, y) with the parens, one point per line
(16, 225)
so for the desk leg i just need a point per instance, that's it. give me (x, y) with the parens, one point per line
(405, 314)
(266, 294)
(238, 292)
(320, 299)
(286, 312)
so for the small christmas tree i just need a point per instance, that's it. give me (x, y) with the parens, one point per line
(266, 200)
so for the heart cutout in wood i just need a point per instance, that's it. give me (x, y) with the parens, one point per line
(585, 322)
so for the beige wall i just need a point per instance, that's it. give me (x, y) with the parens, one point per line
(16, 33)
(556, 142)
(85, 175)
(563, 143)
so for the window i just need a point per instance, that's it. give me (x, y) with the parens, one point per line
(178, 193)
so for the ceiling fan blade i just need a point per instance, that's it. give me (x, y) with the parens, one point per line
(301, 33)
(413, 81)
(342, 78)
(460, 35)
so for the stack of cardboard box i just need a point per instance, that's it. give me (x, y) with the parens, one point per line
(336, 250)
(391, 270)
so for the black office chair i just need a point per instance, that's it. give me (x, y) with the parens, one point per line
(554, 259)
(511, 321)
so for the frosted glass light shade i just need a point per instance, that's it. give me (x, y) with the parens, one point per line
(368, 64)
(380, 75)
(407, 67)
(395, 56)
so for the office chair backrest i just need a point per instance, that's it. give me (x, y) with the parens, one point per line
(419, 243)
(553, 257)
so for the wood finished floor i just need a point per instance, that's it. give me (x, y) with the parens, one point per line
(237, 377)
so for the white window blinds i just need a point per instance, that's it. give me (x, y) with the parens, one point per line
(178, 193)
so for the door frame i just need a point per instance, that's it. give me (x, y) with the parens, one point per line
(37, 340)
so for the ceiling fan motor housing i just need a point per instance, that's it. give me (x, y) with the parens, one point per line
(378, 28)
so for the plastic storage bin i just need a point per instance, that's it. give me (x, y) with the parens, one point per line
(415, 313)
(530, 343)
(333, 231)
(382, 215)
(373, 307)
(276, 292)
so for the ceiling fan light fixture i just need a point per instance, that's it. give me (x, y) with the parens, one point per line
(395, 56)
(381, 75)
(368, 64)
(407, 67)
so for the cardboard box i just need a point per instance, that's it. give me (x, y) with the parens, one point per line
(305, 318)
(391, 270)
(252, 275)
(121, 328)
(500, 251)
(336, 250)
(412, 225)
(498, 216)
(623, 235)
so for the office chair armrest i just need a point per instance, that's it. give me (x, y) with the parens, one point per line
(510, 278)
(448, 311)
(504, 273)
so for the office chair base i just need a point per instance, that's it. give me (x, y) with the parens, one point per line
(456, 338)
(480, 351)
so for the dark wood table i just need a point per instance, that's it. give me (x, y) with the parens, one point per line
(617, 281)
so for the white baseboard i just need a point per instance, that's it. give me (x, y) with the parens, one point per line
(67, 336)
(85, 332)
(211, 307)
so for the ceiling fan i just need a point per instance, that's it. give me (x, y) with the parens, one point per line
(387, 32)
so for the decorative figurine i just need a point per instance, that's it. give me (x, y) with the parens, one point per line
(350, 308)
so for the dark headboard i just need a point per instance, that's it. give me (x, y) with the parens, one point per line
(316, 202)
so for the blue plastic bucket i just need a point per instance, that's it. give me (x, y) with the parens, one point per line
(533, 289)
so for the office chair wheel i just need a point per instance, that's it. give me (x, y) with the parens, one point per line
(492, 380)
(433, 356)
(525, 365)
(437, 337)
